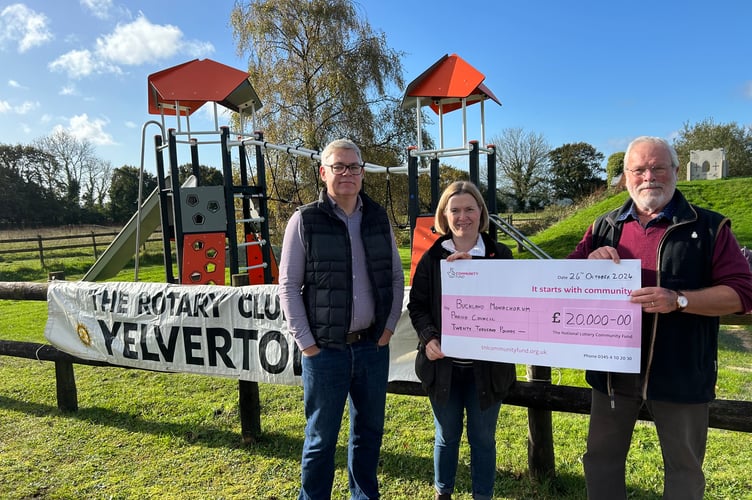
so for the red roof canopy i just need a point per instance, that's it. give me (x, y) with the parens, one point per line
(447, 82)
(196, 82)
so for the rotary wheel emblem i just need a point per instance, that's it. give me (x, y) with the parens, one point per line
(83, 334)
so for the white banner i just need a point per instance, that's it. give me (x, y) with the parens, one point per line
(236, 332)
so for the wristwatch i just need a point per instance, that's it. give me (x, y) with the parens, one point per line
(681, 301)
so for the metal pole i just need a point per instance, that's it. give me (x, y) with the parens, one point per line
(491, 196)
(412, 189)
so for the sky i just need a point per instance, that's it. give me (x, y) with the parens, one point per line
(591, 71)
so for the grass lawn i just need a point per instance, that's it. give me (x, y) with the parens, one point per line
(147, 435)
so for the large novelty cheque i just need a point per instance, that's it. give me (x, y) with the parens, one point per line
(563, 313)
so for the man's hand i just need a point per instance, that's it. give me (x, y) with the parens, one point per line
(605, 253)
(311, 351)
(385, 337)
(655, 299)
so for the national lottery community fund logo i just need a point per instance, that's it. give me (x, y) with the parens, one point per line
(454, 274)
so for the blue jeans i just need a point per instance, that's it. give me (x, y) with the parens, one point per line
(481, 434)
(360, 371)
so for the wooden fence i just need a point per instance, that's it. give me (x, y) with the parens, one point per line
(540, 397)
(40, 246)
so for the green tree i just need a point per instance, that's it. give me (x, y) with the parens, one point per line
(735, 139)
(208, 176)
(322, 73)
(575, 171)
(523, 167)
(614, 168)
(24, 201)
(124, 192)
(447, 175)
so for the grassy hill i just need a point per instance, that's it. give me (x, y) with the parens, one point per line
(731, 197)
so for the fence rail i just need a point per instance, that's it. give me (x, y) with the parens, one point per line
(540, 397)
(43, 245)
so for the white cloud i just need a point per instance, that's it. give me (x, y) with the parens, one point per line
(197, 49)
(98, 8)
(76, 63)
(142, 42)
(21, 109)
(81, 127)
(81, 63)
(14, 84)
(224, 115)
(18, 23)
(67, 90)
(105, 9)
(26, 107)
(138, 42)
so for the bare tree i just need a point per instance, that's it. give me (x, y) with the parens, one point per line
(84, 178)
(523, 163)
(97, 183)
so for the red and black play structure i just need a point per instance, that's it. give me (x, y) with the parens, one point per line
(202, 231)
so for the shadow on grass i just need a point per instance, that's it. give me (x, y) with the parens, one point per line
(737, 340)
(406, 466)
(270, 445)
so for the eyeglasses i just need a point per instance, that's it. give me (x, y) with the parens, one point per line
(339, 168)
(657, 171)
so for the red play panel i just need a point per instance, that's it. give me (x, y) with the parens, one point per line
(203, 259)
(423, 237)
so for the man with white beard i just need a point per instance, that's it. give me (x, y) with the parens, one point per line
(693, 271)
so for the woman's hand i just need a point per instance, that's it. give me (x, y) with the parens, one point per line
(433, 350)
(458, 256)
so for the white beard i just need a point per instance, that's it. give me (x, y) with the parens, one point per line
(652, 201)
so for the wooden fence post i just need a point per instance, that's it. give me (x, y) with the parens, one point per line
(94, 244)
(249, 401)
(540, 440)
(41, 250)
(65, 378)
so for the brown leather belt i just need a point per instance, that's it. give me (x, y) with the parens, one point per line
(356, 336)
